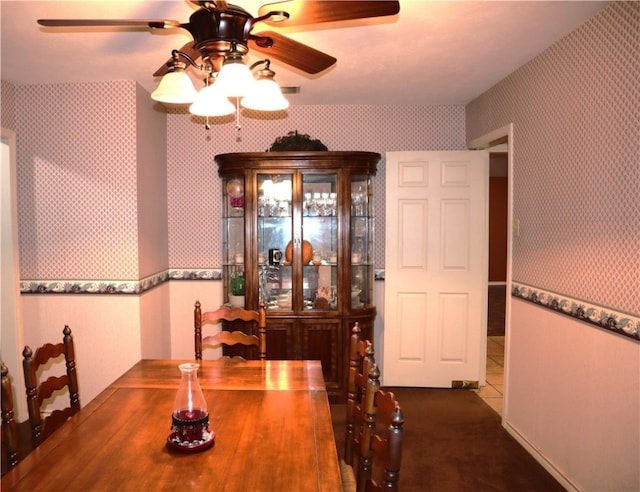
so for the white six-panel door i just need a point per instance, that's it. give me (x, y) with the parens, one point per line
(436, 264)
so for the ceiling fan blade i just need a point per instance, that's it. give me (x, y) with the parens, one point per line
(303, 12)
(143, 24)
(291, 52)
(189, 49)
(216, 4)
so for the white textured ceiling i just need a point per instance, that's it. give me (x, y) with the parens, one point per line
(430, 53)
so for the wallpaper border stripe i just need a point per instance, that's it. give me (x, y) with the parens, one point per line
(593, 314)
(116, 286)
(28, 286)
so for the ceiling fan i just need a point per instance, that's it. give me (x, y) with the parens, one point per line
(219, 28)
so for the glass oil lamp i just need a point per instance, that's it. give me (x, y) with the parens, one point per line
(190, 417)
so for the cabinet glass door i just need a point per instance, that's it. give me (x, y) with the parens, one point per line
(320, 239)
(274, 236)
(233, 241)
(361, 243)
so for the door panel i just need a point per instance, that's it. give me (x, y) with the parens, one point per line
(280, 340)
(453, 327)
(320, 342)
(455, 234)
(413, 231)
(412, 327)
(435, 267)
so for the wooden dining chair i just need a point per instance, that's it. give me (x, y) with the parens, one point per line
(10, 444)
(361, 360)
(40, 391)
(381, 439)
(235, 337)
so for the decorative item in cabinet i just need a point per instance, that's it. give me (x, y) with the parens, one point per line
(236, 287)
(233, 239)
(306, 249)
(235, 192)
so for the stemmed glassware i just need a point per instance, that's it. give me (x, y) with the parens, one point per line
(320, 204)
(358, 202)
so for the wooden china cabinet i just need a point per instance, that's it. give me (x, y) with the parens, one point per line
(298, 235)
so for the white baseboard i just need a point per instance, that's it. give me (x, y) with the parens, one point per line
(540, 458)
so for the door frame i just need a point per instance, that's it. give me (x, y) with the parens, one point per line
(502, 135)
(12, 339)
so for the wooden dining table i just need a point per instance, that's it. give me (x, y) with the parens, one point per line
(271, 419)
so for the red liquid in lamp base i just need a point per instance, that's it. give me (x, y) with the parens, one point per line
(190, 425)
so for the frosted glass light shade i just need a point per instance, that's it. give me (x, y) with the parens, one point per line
(175, 88)
(265, 95)
(234, 79)
(210, 101)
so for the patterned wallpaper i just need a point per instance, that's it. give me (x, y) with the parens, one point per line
(8, 105)
(77, 202)
(195, 189)
(78, 192)
(576, 115)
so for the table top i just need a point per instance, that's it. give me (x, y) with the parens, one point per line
(225, 373)
(271, 420)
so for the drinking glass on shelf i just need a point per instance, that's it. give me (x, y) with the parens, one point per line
(314, 208)
(271, 210)
(331, 204)
(307, 204)
(262, 202)
(283, 208)
(322, 204)
(358, 199)
(317, 258)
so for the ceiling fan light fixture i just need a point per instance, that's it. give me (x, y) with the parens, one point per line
(175, 88)
(234, 78)
(211, 102)
(265, 93)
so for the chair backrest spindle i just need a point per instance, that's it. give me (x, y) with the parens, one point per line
(39, 391)
(229, 338)
(9, 425)
(381, 439)
(361, 360)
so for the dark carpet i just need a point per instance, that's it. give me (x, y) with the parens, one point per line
(454, 442)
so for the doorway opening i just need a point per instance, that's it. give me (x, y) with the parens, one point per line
(493, 392)
(500, 143)
(498, 206)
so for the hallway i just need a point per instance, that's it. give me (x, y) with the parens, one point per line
(492, 393)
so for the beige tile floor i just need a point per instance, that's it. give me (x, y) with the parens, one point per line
(493, 391)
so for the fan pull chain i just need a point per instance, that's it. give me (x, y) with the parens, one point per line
(238, 127)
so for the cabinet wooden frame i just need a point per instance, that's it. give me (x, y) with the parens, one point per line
(300, 331)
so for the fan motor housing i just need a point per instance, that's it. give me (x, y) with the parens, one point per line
(214, 30)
